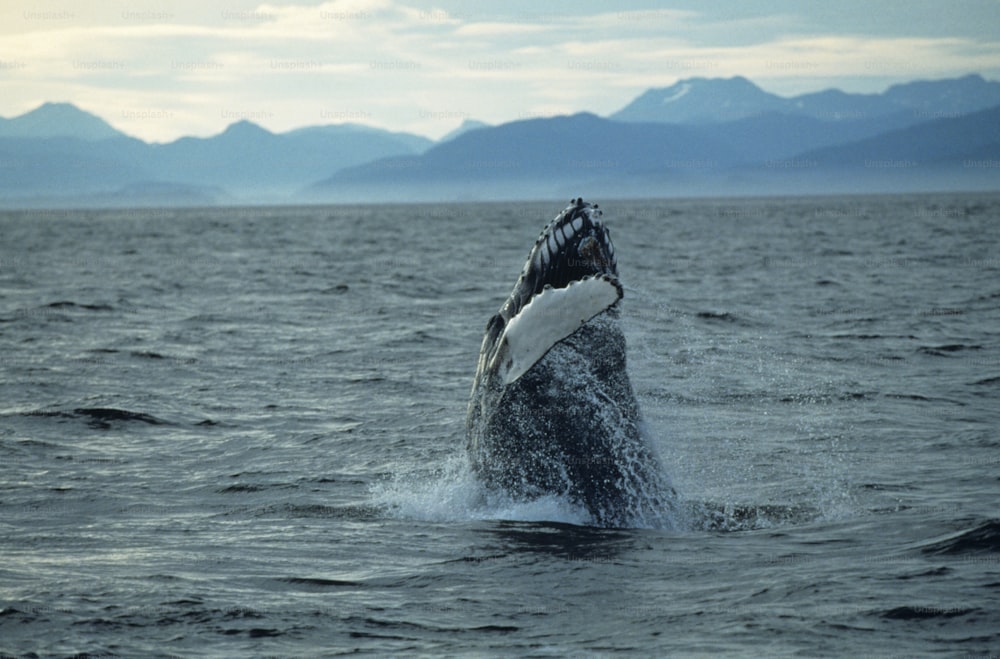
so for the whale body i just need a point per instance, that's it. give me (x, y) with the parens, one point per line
(552, 410)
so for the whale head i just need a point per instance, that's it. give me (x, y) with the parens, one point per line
(570, 276)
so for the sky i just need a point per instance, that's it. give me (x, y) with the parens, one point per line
(159, 70)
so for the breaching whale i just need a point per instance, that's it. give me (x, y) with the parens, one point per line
(552, 411)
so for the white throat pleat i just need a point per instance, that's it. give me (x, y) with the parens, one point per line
(550, 317)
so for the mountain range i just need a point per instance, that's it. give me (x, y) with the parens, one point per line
(698, 136)
(703, 100)
(59, 152)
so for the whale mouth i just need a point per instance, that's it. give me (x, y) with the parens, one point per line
(573, 247)
(570, 276)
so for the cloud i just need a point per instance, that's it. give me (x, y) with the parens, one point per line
(409, 65)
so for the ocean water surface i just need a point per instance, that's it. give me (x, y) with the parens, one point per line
(240, 432)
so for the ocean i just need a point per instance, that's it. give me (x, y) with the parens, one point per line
(240, 432)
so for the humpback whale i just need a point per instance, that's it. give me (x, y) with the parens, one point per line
(552, 410)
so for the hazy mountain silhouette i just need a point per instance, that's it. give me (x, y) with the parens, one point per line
(714, 100)
(701, 101)
(246, 158)
(765, 154)
(699, 136)
(941, 142)
(535, 157)
(960, 153)
(467, 125)
(58, 120)
(61, 152)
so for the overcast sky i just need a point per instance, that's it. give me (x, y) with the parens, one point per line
(159, 70)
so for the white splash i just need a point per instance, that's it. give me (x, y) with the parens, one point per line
(453, 494)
